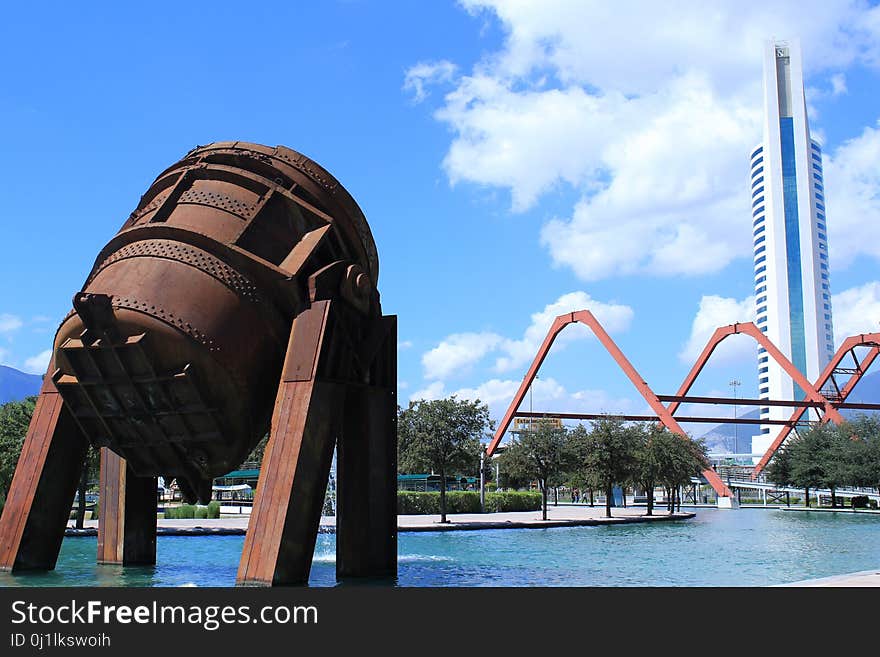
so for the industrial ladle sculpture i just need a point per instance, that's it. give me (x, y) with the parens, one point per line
(246, 275)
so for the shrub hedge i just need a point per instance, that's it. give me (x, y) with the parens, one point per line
(413, 503)
(188, 511)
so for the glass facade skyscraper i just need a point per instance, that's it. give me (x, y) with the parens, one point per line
(792, 286)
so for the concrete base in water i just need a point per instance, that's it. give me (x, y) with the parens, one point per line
(728, 503)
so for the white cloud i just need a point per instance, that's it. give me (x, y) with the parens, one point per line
(404, 345)
(614, 318)
(856, 310)
(9, 323)
(649, 111)
(852, 184)
(457, 353)
(715, 311)
(435, 390)
(424, 74)
(38, 364)
(548, 395)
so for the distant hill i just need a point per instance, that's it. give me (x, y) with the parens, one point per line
(720, 438)
(15, 385)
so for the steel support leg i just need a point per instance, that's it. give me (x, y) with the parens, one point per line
(366, 499)
(284, 523)
(127, 514)
(40, 498)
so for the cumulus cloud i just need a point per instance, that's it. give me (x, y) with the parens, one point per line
(852, 184)
(856, 310)
(419, 77)
(38, 364)
(9, 323)
(548, 395)
(458, 353)
(715, 311)
(649, 111)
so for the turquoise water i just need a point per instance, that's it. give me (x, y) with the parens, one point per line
(748, 547)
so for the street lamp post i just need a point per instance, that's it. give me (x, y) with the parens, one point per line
(734, 383)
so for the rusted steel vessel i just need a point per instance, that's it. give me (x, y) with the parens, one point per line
(175, 345)
(240, 293)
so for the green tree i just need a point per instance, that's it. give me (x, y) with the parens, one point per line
(15, 417)
(681, 457)
(818, 459)
(442, 436)
(654, 442)
(607, 453)
(543, 453)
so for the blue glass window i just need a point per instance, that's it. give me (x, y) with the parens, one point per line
(760, 249)
(820, 197)
(758, 220)
(822, 236)
(821, 226)
(827, 307)
(756, 151)
(817, 167)
(763, 359)
(755, 173)
(761, 350)
(758, 191)
(761, 269)
(760, 199)
(765, 430)
(759, 261)
(760, 230)
(760, 300)
(815, 157)
(824, 278)
(756, 162)
(762, 319)
(760, 280)
(763, 288)
(817, 177)
(819, 186)
(759, 240)
(793, 248)
(763, 370)
(758, 211)
(764, 391)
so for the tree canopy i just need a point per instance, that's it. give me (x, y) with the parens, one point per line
(441, 436)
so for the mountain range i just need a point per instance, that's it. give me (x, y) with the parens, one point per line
(720, 439)
(15, 385)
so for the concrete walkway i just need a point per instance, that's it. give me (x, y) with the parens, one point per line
(567, 515)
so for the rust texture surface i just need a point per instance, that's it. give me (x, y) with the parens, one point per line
(240, 292)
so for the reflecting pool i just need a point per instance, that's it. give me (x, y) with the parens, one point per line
(747, 547)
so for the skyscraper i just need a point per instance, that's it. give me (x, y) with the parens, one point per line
(792, 291)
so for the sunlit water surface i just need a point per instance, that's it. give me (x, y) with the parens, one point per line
(748, 547)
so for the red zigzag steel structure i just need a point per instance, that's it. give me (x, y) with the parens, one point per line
(826, 403)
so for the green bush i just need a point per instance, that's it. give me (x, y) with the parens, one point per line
(213, 509)
(413, 503)
(513, 501)
(201, 512)
(182, 512)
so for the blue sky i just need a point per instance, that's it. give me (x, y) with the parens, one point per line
(514, 162)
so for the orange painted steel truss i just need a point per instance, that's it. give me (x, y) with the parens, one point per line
(665, 414)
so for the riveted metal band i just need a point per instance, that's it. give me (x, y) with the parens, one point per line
(188, 255)
(158, 312)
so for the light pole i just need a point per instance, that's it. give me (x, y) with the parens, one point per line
(734, 383)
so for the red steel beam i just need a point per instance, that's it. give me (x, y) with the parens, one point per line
(748, 328)
(587, 318)
(865, 339)
(645, 418)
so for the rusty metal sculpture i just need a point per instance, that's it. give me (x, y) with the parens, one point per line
(245, 275)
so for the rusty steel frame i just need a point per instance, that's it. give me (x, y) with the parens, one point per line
(848, 347)
(586, 317)
(246, 274)
(815, 399)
